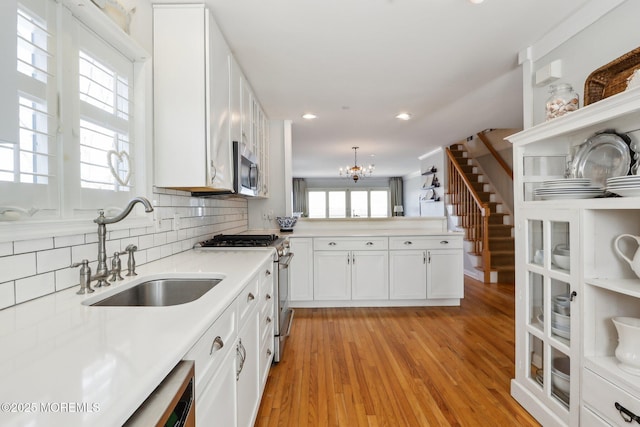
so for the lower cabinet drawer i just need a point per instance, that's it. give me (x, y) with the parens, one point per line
(602, 396)
(350, 244)
(589, 419)
(211, 348)
(425, 242)
(248, 299)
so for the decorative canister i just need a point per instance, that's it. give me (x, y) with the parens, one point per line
(563, 100)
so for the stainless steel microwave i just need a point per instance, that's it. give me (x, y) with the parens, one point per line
(245, 170)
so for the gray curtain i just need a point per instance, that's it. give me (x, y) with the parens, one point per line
(300, 196)
(395, 188)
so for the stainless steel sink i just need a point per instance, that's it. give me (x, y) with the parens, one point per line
(160, 293)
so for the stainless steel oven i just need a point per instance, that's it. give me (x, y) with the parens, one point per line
(281, 260)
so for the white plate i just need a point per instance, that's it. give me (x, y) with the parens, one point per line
(561, 333)
(570, 196)
(572, 182)
(568, 190)
(626, 178)
(627, 192)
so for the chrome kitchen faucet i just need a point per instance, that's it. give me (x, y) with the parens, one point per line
(102, 271)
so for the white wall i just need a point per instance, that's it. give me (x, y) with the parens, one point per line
(412, 191)
(434, 158)
(611, 36)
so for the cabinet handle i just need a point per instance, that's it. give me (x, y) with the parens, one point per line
(369, 243)
(268, 352)
(250, 297)
(626, 414)
(408, 242)
(348, 259)
(332, 243)
(241, 352)
(572, 297)
(444, 242)
(424, 257)
(267, 297)
(353, 259)
(267, 273)
(429, 257)
(216, 342)
(268, 320)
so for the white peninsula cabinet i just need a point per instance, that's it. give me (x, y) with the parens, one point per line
(351, 269)
(376, 271)
(564, 304)
(425, 267)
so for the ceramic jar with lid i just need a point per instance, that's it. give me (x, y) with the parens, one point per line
(562, 100)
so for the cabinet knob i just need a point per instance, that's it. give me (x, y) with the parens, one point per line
(267, 273)
(369, 243)
(217, 342)
(267, 297)
(251, 297)
(268, 320)
(573, 295)
(268, 352)
(444, 242)
(332, 243)
(408, 242)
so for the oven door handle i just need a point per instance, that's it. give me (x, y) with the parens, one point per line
(285, 260)
(291, 313)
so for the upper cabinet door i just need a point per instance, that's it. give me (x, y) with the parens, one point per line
(191, 100)
(235, 99)
(219, 120)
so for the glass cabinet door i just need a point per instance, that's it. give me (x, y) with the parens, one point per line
(548, 284)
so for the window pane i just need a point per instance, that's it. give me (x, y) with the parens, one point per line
(97, 83)
(317, 204)
(33, 40)
(104, 159)
(337, 204)
(379, 202)
(359, 204)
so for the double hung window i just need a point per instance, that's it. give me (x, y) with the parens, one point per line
(367, 203)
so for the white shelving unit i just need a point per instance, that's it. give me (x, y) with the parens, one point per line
(602, 285)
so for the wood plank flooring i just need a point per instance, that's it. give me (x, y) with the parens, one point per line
(426, 366)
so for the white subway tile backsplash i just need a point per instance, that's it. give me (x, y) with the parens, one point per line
(54, 259)
(22, 246)
(63, 241)
(6, 248)
(67, 278)
(17, 266)
(34, 287)
(33, 268)
(7, 294)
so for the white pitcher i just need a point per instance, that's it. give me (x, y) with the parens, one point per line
(635, 262)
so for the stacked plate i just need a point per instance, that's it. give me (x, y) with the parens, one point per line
(625, 186)
(568, 188)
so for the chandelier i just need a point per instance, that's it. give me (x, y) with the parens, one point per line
(356, 172)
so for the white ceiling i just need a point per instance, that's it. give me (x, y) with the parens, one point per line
(358, 63)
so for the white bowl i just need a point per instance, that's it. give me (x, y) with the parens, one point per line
(560, 374)
(562, 250)
(628, 349)
(562, 261)
(562, 300)
(560, 320)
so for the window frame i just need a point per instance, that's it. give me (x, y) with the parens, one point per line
(70, 220)
(348, 210)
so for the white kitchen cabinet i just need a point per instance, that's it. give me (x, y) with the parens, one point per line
(369, 275)
(407, 274)
(219, 406)
(426, 267)
(600, 283)
(445, 277)
(235, 100)
(266, 307)
(332, 275)
(301, 269)
(192, 144)
(351, 269)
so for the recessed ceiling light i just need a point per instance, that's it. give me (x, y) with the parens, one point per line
(309, 116)
(476, 1)
(403, 116)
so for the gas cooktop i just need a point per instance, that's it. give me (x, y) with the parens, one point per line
(245, 240)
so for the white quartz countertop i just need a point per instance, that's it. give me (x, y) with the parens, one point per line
(63, 363)
(369, 233)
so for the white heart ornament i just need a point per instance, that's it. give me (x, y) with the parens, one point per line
(114, 159)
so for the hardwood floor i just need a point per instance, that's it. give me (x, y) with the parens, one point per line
(418, 366)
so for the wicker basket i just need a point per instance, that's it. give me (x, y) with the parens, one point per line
(612, 78)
